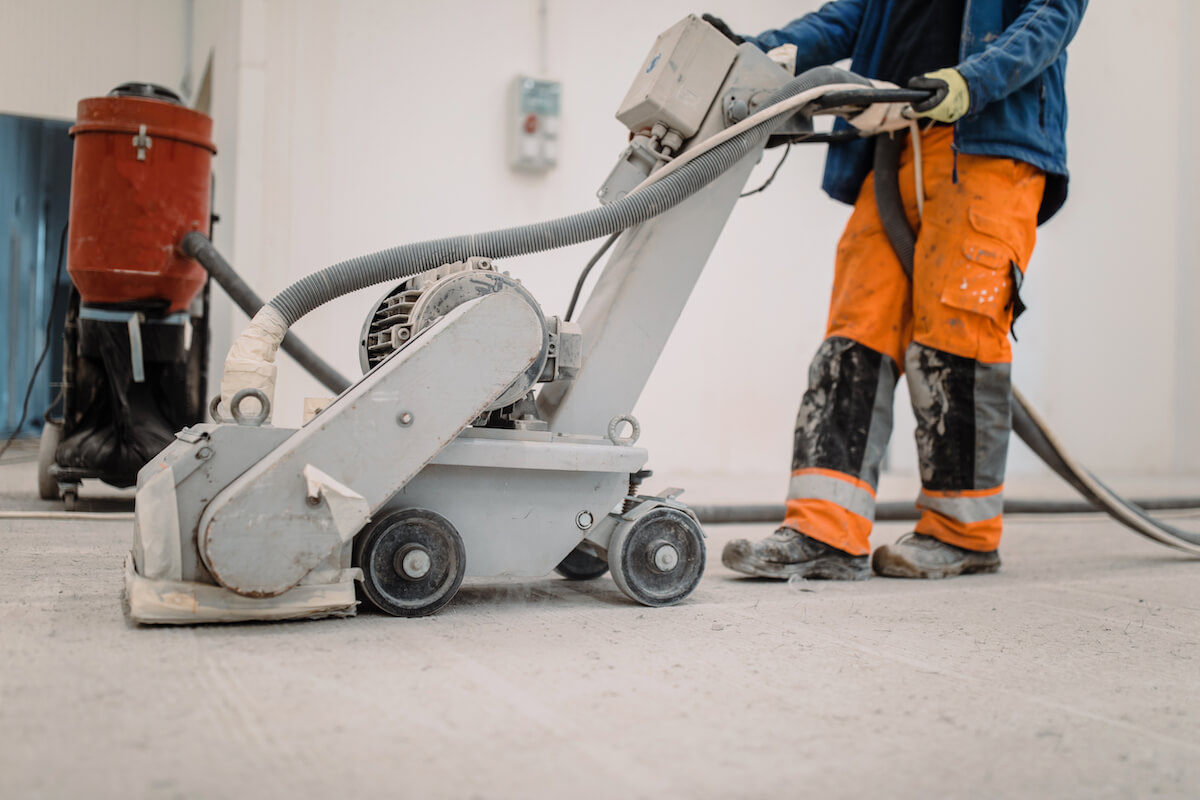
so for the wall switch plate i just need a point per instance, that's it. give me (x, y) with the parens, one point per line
(533, 123)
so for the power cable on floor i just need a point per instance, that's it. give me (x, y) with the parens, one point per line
(93, 516)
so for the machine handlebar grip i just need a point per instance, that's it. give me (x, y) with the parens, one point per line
(866, 97)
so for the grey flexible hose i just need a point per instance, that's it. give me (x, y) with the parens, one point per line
(196, 245)
(396, 263)
(1026, 423)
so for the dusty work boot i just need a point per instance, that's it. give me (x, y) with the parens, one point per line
(916, 555)
(787, 552)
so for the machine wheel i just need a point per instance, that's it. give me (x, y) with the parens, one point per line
(413, 562)
(580, 565)
(659, 559)
(47, 446)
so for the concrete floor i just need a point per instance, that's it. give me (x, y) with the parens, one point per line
(1074, 672)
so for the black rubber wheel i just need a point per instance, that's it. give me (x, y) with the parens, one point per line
(659, 559)
(47, 446)
(580, 565)
(413, 562)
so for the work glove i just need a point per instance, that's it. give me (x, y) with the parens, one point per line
(724, 29)
(951, 97)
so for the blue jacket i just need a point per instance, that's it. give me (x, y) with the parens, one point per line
(1013, 56)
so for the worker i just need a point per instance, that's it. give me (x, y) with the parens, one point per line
(994, 155)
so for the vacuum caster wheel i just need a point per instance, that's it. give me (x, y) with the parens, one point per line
(659, 559)
(70, 497)
(580, 565)
(413, 562)
(47, 446)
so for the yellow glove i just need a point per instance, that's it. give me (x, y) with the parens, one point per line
(951, 97)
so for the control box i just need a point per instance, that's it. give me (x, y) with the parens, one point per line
(533, 123)
(679, 79)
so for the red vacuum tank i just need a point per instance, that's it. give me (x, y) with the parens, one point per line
(141, 180)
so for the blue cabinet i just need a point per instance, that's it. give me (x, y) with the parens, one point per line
(35, 190)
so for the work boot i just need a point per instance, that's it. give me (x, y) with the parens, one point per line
(916, 555)
(787, 552)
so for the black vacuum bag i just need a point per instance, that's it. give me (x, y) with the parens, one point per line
(123, 423)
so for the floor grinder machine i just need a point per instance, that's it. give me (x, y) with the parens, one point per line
(486, 438)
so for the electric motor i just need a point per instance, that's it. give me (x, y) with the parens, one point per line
(416, 303)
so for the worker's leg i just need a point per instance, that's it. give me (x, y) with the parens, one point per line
(845, 417)
(976, 238)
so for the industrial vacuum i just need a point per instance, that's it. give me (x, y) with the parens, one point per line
(136, 336)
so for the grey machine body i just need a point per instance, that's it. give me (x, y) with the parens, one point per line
(510, 427)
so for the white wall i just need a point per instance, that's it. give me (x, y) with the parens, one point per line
(55, 52)
(1186, 399)
(1110, 348)
(347, 127)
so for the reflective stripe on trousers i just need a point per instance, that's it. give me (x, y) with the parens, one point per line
(839, 506)
(965, 507)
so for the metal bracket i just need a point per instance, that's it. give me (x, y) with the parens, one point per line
(636, 162)
(601, 533)
(741, 102)
(649, 503)
(142, 142)
(349, 509)
(191, 435)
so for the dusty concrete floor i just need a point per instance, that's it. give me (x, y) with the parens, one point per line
(1075, 672)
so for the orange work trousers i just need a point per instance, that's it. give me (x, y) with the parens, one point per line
(946, 329)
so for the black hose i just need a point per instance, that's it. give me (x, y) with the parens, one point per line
(1024, 422)
(595, 259)
(196, 245)
(887, 198)
(908, 512)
